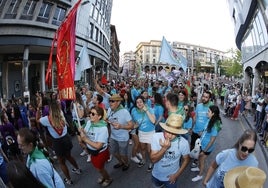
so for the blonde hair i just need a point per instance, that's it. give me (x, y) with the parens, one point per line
(56, 115)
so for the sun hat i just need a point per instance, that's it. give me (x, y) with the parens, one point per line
(116, 97)
(244, 177)
(174, 124)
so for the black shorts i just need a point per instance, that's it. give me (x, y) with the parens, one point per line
(62, 146)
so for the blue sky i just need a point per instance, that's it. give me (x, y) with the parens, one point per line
(201, 22)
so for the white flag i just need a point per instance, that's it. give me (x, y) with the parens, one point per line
(82, 63)
(170, 56)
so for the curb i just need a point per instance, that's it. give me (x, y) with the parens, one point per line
(264, 150)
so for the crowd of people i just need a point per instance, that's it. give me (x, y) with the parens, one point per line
(161, 121)
(237, 102)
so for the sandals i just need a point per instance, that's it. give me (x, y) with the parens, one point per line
(100, 180)
(106, 183)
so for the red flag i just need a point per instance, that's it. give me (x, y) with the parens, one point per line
(65, 59)
(104, 81)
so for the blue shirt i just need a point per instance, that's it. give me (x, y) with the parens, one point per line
(201, 117)
(43, 170)
(205, 138)
(226, 161)
(121, 116)
(143, 120)
(158, 112)
(1, 156)
(134, 93)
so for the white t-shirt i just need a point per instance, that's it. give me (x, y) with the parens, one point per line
(170, 162)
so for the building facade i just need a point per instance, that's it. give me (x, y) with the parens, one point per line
(250, 20)
(26, 34)
(146, 58)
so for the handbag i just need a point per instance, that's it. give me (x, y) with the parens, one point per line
(197, 148)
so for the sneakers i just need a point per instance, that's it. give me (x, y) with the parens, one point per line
(88, 158)
(125, 167)
(130, 142)
(139, 156)
(68, 182)
(100, 180)
(118, 165)
(110, 158)
(196, 169)
(141, 164)
(77, 171)
(194, 164)
(106, 183)
(135, 159)
(84, 153)
(197, 178)
(150, 167)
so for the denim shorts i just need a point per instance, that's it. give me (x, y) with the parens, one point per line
(120, 147)
(158, 184)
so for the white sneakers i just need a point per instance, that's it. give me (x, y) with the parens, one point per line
(110, 158)
(197, 178)
(135, 159)
(88, 158)
(84, 153)
(139, 156)
(196, 169)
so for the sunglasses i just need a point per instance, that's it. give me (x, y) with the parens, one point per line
(186, 109)
(92, 113)
(112, 101)
(245, 149)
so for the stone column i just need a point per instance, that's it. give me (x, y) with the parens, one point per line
(25, 68)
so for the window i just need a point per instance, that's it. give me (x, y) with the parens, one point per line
(28, 10)
(43, 15)
(95, 15)
(2, 4)
(96, 37)
(91, 30)
(12, 9)
(58, 16)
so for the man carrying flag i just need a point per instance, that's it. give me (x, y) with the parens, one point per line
(170, 56)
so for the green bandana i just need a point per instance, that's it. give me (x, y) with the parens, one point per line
(36, 154)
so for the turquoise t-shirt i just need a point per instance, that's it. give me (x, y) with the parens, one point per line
(143, 120)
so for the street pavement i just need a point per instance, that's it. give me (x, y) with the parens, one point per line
(136, 177)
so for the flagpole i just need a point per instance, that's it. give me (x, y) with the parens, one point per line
(78, 119)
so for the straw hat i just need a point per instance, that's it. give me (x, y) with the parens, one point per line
(116, 97)
(174, 124)
(244, 177)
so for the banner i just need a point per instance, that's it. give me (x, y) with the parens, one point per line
(170, 56)
(65, 59)
(82, 63)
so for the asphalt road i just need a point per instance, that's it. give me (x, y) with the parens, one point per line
(136, 177)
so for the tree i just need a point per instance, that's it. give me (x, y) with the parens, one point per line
(232, 66)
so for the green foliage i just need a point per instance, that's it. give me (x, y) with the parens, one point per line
(232, 66)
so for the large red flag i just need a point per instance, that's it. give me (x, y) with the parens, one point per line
(65, 59)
